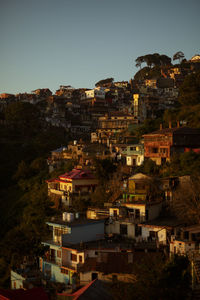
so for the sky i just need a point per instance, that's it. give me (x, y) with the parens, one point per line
(48, 43)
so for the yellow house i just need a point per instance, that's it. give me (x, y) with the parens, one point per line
(75, 182)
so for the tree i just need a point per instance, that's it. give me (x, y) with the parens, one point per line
(104, 82)
(178, 55)
(189, 93)
(104, 169)
(153, 60)
(23, 116)
(186, 204)
(139, 60)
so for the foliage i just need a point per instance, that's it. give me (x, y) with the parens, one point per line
(148, 126)
(104, 82)
(186, 163)
(186, 203)
(153, 60)
(157, 279)
(100, 196)
(104, 168)
(174, 282)
(190, 90)
(23, 117)
(148, 167)
(178, 55)
(148, 73)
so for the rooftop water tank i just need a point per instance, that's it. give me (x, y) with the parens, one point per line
(70, 217)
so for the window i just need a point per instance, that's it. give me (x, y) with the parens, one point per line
(80, 258)
(59, 253)
(132, 148)
(73, 257)
(64, 271)
(163, 150)
(138, 230)
(137, 213)
(140, 186)
(154, 150)
(123, 229)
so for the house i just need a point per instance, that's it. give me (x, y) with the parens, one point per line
(93, 290)
(134, 154)
(25, 275)
(108, 266)
(160, 229)
(95, 93)
(141, 203)
(186, 240)
(116, 120)
(62, 260)
(160, 145)
(139, 107)
(96, 213)
(76, 183)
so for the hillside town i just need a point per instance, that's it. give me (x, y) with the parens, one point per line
(121, 191)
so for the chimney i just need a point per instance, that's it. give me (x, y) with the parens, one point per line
(170, 124)
(161, 126)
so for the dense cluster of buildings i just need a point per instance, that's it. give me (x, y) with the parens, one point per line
(103, 243)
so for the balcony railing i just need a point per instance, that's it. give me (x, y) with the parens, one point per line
(71, 265)
(130, 218)
(53, 260)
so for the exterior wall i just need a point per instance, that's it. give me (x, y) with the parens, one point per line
(16, 280)
(161, 233)
(67, 259)
(87, 277)
(66, 186)
(84, 233)
(82, 182)
(181, 247)
(114, 228)
(62, 230)
(154, 211)
(99, 93)
(157, 147)
(53, 272)
(55, 259)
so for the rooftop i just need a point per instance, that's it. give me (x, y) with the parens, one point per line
(81, 221)
(77, 174)
(175, 130)
(165, 222)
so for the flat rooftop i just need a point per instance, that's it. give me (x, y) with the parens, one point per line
(76, 222)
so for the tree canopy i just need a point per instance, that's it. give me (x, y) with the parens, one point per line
(104, 81)
(178, 55)
(190, 90)
(153, 60)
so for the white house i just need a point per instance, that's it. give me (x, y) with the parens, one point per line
(95, 93)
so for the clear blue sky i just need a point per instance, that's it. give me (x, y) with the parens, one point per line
(46, 43)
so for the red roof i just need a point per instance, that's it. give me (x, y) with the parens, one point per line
(32, 294)
(77, 174)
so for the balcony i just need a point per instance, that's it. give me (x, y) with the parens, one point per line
(72, 266)
(129, 219)
(52, 259)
